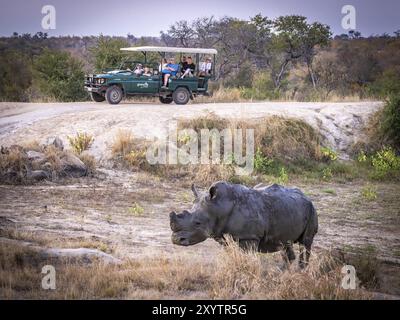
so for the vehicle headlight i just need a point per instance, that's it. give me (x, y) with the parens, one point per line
(100, 80)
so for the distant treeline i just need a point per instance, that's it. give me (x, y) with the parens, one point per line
(283, 58)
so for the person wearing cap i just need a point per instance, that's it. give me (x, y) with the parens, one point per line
(171, 69)
(139, 69)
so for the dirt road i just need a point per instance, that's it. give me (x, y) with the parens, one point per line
(339, 123)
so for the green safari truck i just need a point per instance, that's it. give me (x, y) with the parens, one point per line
(171, 82)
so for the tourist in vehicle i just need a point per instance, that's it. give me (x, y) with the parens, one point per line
(171, 69)
(163, 65)
(183, 63)
(138, 70)
(147, 72)
(188, 69)
(205, 67)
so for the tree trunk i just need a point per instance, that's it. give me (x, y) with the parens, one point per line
(312, 75)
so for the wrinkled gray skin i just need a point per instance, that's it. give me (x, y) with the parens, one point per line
(267, 219)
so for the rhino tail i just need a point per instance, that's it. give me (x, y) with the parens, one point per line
(311, 228)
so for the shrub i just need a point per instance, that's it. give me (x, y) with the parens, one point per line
(136, 209)
(123, 142)
(80, 142)
(328, 154)
(368, 192)
(385, 163)
(283, 177)
(262, 164)
(59, 75)
(390, 121)
(327, 174)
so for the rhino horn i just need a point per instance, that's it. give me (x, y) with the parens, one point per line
(196, 194)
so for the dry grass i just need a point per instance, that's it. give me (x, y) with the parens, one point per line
(279, 138)
(89, 161)
(123, 142)
(233, 274)
(15, 160)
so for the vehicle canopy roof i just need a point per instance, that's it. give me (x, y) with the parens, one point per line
(170, 49)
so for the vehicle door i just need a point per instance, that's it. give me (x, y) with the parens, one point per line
(146, 84)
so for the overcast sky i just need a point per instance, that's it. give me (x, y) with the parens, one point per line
(149, 17)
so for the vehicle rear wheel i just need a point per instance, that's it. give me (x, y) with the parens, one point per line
(166, 100)
(181, 96)
(97, 97)
(114, 95)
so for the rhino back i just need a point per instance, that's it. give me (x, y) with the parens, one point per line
(273, 214)
(290, 213)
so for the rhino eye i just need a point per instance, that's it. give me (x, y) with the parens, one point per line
(197, 223)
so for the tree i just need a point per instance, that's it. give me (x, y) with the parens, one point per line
(15, 75)
(106, 53)
(295, 39)
(57, 74)
(317, 34)
(181, 33)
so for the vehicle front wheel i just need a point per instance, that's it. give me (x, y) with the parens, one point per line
(181, 96)
(97, 97)
(114, 95)
(166, 100)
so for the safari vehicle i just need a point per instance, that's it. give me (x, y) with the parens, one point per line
(114, 85)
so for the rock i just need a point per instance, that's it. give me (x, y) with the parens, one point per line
(37, 175)
(35, 156)
(83, 254)
(72, 166)
(58, 143)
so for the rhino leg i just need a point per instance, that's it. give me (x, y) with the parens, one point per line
(305, 251)
(288, 254)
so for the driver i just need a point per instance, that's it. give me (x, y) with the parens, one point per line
(139, 69)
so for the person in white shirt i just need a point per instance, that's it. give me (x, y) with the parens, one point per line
(205, 67)
(163, 65)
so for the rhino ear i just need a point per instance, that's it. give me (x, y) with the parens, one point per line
(213, 192)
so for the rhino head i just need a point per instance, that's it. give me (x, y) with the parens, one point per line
(206, 218)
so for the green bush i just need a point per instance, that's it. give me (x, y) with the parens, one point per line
(59, 75)
(387, 84)
(81, 142)
(390, 121)
(15, 75)
(385, 164)
(107, 54)
(328, 154)
(262, 164)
